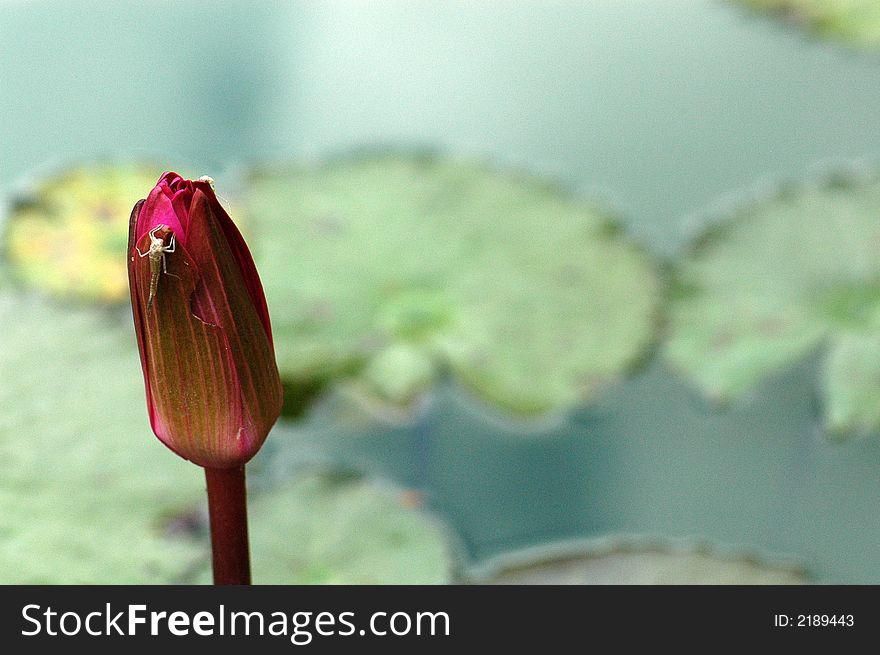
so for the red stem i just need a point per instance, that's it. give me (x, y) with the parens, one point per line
(227, 509)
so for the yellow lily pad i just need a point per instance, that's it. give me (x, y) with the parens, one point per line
(67, 234)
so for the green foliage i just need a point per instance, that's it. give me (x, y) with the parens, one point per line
(853, 21)
(776, 280)
(88, 493)
(388, 271)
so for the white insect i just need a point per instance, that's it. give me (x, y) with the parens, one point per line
(156, 253)
(210, 181)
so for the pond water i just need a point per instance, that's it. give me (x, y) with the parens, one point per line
(663, 109)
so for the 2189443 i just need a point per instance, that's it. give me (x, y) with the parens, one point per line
(813, 620)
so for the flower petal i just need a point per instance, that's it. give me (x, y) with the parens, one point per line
(240, 252)
(222, 297)
(158, 210)
(135, 305)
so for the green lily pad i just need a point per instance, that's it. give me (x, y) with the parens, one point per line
(637, 563)
(775, 281)
(342, 529)
(853, 21)
(89, 495)
(852, 378)
(384, 272)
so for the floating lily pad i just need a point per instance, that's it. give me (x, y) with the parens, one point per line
(89, 495)
(342, 529)
(851, 378)
(853, 21)
(775, 281)
(642, 564)
(386, 271)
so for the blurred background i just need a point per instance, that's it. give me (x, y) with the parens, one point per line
(562, 291)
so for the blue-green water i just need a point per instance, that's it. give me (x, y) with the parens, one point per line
(663, 108)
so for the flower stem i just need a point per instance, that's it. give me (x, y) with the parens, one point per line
(227, 509)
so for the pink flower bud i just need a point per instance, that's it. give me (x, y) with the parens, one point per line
(202, 325)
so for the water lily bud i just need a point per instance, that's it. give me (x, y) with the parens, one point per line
(202, 325)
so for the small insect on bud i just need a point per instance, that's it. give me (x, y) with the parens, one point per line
(209, 180)
(156, 253)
